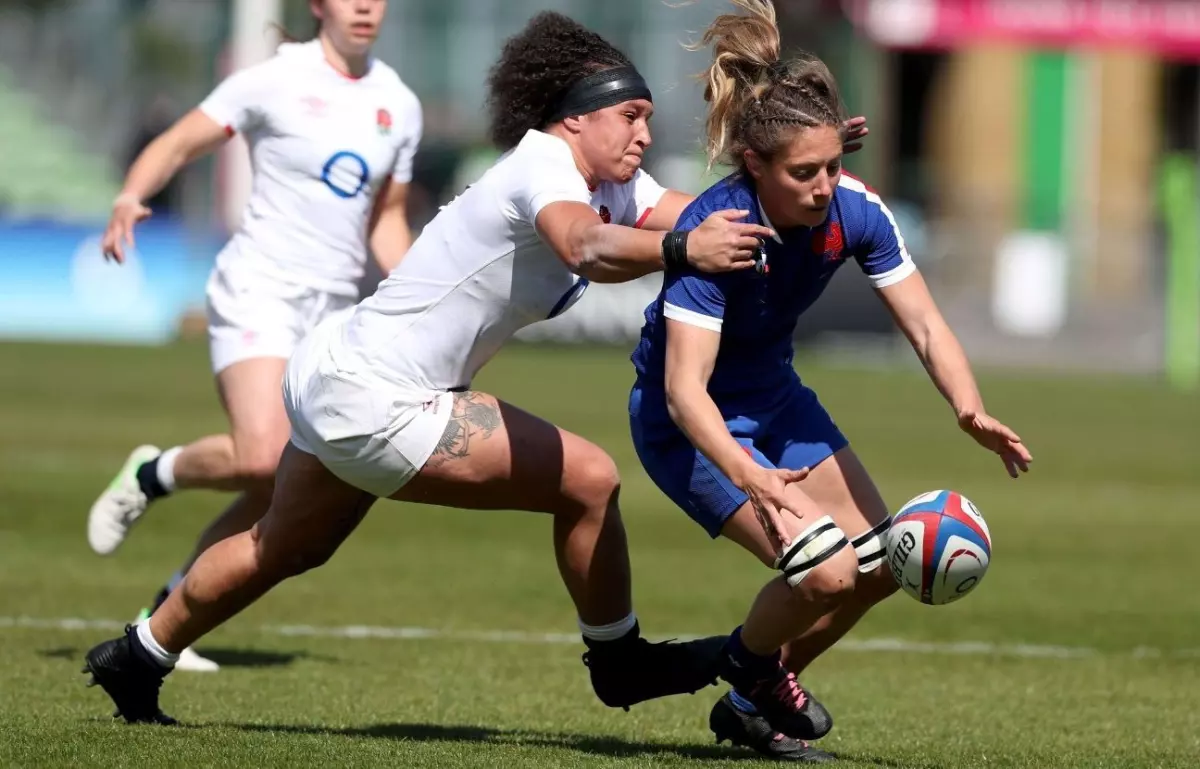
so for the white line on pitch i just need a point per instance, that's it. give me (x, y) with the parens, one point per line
(351, 632)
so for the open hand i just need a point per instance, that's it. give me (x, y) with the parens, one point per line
(118, 235)
(998, 438)
(766, 492)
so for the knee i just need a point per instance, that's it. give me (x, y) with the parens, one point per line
(595, 484)
(820, 565)
(280, 559)
(831, 583)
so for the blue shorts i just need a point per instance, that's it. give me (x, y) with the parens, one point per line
(796, 433)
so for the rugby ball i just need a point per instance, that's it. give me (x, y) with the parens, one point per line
(939, 547)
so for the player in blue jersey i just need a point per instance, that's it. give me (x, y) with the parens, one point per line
(720, 419)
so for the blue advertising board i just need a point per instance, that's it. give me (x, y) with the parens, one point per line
(56, 285)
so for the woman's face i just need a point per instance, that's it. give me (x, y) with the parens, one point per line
(614, 140)
(798, 181)
(352, 25)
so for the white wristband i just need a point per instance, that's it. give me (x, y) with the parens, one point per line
(126, 197)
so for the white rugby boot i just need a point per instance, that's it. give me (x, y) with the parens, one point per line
(121, 504)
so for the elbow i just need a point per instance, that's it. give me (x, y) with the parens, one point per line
(676, 400)
(579, 258)
(673, 410)
(921, 344)
(583, 249)
(921, 337)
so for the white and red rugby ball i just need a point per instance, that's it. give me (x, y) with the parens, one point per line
(939, 547)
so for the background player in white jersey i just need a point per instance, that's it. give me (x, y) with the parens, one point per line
(380, 399)
(332, 133)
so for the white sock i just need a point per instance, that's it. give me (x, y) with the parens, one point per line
(176, 578)
(166, 468)
(610, 632)
(160, 655)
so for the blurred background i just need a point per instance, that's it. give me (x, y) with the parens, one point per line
(1040, 157)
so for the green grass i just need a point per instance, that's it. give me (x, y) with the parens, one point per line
(1093, 550)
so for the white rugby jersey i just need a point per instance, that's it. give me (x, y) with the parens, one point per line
(321, 145)
(479, 272)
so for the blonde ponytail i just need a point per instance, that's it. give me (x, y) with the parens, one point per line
(755, 100)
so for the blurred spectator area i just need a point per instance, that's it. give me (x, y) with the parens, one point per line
(82, 83)
(980, 148)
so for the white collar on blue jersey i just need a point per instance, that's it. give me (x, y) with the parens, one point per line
(766, 221)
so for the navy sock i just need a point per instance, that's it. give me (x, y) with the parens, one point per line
(147, 478)
(741, 703)
(754, 667)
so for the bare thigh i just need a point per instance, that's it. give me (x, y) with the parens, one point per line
(495, 456)
(839, 487)
(312, 512)
(252, 393)
(842, 488)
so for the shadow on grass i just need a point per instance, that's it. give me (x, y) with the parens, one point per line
(612, 747)
(225, 657)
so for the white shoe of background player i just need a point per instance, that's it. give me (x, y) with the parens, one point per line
(121, 504)
(190, 660)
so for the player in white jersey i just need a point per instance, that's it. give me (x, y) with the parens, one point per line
(380, 399)
(332, 132)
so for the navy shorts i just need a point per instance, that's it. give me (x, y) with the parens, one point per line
(796, 433)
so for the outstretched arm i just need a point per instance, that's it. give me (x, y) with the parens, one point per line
(193, 136)
(613, 253)
(915, 312)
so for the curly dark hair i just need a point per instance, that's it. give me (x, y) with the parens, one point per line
(535, 69)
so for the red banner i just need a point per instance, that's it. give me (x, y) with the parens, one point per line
(1170, 28)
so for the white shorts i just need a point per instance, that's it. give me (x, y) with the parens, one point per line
(253, 316)
(371, 433)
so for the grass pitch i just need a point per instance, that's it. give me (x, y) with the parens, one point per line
(1080, 649)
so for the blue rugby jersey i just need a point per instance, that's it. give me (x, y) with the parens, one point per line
(756, 311)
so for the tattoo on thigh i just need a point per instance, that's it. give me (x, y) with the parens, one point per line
(473, 418)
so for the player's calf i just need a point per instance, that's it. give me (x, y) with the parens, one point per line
(820, 568)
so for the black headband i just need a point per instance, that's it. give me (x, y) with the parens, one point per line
(599, 90)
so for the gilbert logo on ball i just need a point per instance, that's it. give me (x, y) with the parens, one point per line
(939, 547)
